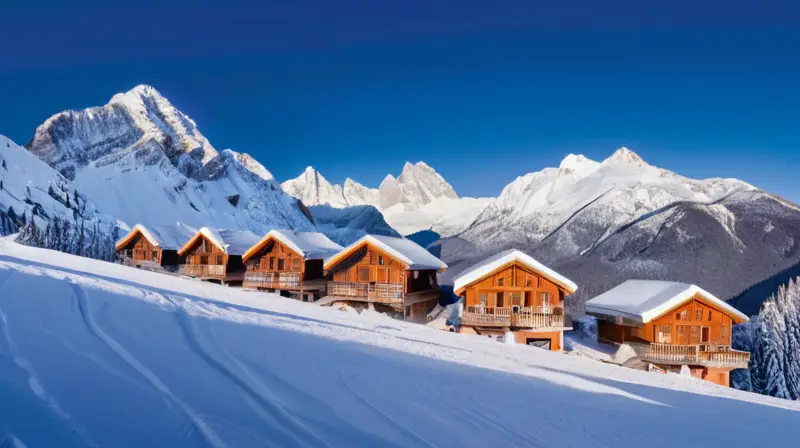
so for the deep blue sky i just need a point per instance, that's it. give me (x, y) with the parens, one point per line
(482, 91)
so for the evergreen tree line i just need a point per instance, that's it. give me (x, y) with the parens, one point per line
(773, 340)
(74, 238)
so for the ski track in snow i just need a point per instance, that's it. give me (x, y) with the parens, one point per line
(85, 313)
(266, 406)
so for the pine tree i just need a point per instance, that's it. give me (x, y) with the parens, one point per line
(772, 331)
(791, 316)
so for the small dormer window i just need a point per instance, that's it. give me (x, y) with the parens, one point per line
(500, 281)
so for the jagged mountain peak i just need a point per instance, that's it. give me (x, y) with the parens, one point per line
(625, 155)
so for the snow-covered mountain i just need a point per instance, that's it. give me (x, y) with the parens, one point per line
(418, 199)
(601, 223)
(46, 207)
(142, 160)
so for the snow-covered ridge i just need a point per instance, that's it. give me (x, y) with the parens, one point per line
(418, 199)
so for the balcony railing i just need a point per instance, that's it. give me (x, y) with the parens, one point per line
(203, 270)
(369, 292)
(272, 280)
(538, 317)
(486, 316)
(698, 354)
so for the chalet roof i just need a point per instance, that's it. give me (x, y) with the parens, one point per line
(412, 254)
(170, 237)
(645, 300)
(232, 242)
(309, 245)
(490, 264)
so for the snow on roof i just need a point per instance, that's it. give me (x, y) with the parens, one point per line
(309, 245)
(487, 265)
(412, 254)
(644, 300)
(171, 237)
(232, 242)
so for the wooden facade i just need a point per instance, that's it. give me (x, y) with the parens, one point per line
(696, 333)
(369, 274)
(137, 251)
(207, 261)
(274, 266)
(515, 298)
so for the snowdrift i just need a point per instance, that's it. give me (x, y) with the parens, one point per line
(96, 354)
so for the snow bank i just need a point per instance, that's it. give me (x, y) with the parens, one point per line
(97, 354)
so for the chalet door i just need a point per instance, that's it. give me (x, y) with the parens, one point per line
(203, 259)
(694, 334)
(516, 301)
(706, 335)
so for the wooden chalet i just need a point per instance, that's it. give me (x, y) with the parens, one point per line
(670, 325)
(216, 255)
(387, 273)
(511, 295)
(290, 263)
(154, 247)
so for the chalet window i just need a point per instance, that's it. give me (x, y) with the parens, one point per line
(681, 330)
(724, 331)
(280, 264)
(363, 275)
(677, 316)
(500, 299)
(204, 259)
(155, 255)
(664, 334)
(500, 281)
(683, 315)
(709, 316)
(271, 263)
(529, 282)
(380, 260)
(483, 299)
(698, 314)
(219, 259)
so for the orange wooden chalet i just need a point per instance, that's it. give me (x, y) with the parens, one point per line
(670, 325)
(216, 255)
(154, 247)
(390, 274)
(513, 295)
(290, 263)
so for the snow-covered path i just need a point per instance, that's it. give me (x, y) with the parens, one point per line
(95, 354)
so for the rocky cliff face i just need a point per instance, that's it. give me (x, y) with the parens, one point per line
(141, 159)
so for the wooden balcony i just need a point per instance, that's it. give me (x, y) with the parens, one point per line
(697, 354)
(486, 316)
(538, 317)
(203, 270)
(367, 292)
(272, 280)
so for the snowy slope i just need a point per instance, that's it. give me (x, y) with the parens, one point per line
(140, 159)
(419, 199)
(33, 190)
(224, 367)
